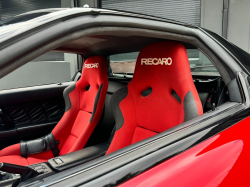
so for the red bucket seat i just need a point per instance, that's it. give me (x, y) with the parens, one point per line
(84, 102)
(160, 96)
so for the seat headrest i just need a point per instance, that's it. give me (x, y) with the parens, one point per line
(94, 69)
(163, 64)
(94, 81)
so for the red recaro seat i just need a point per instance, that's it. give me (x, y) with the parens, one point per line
(84, 106)
(160, 96)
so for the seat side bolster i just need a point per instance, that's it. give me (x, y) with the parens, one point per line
(96, 102)
(66, 96)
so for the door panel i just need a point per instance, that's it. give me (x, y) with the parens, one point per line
(28, 113)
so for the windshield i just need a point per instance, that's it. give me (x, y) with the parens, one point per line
(199, 63)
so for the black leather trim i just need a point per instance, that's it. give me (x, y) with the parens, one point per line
(39, 145)
(36, 112)
(25, 172)
(190, 108)
(54, 109)
(112, 134)
(30, 129)
(147, 92)
(87, 88)
(18, 114)
(66, 96)
(115, 100)
(115, 85)
(176, 96)
(203, 97)
(31, 94)
(78, 157)
(234, 92)
(96, 102)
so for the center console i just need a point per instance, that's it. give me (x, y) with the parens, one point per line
(42, 168)
(7, 179)
(69, 160)
(13, 175)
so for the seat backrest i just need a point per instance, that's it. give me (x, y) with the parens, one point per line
(84, 102)
(160, 96)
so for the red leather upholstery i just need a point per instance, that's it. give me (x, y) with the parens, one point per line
(84, 107)
(163, 67)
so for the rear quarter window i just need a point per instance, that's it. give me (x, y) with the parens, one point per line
(125, 63)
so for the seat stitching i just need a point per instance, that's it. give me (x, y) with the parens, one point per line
(73, 135)
(147, 129)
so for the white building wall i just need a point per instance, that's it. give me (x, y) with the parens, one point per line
(37, 73)
(239, 23)
(43, 72)
(211, 15)
(238, 20)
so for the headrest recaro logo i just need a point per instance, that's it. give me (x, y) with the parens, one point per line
(156, 61)
(93, 65)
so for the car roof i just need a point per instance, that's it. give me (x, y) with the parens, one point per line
(59, 14)
(48, 10)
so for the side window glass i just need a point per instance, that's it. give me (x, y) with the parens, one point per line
(51, 67)
(124, 64)
(200, 64)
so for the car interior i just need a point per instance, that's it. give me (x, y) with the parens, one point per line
(127, 89)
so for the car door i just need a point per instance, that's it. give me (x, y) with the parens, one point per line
(31, 97)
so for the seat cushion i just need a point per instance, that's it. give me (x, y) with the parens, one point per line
(14, 159)
(18, 160)
(11, 150)
(11, 155)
